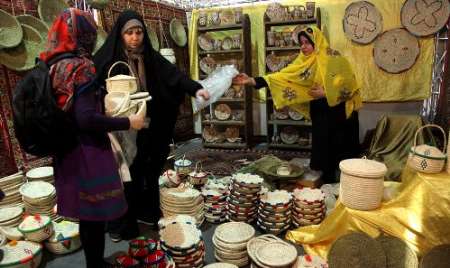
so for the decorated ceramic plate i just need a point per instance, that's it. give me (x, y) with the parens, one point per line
(222, 111)
(207, 64)
(209, 133)
(232, 134)
(294, 115)
(205, 42)
(281, 113)
(227, 43)
(289, 135)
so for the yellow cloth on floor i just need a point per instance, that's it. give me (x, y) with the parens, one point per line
(418, 213)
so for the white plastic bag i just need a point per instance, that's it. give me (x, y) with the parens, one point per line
(216, 84)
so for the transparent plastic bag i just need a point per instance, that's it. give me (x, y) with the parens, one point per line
(216, 84)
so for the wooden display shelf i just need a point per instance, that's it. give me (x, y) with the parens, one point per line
(289, 146)
(230, 100)
(289, 122)
(224, 122)
(220, 27)
(291, 22)
(282, 48)
(225, 145)
(220, 51)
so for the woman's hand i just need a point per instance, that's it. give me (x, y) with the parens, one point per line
(136, 121)
(243, 79)
(317, 91)
(202, 93)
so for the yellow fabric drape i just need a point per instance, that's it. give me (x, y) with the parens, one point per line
(376, 85)
(417, 214)
(324, 67)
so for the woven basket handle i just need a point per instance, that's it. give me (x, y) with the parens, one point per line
(197, 169)
(122, 62)
(430, 125)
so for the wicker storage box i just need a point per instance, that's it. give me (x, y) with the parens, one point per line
(425, 158)
(121, 82)
(36, 228)
(362, 183)
(65, 239)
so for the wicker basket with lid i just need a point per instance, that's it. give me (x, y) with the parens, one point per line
(362, 183)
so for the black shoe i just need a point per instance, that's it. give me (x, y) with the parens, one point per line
(116, 238)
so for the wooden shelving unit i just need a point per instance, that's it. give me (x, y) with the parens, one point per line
(242, 103)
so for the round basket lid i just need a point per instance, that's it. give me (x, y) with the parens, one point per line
(247, 178)
(153, 38)
(437, 257)
(34, 223)
(363, 167)
(356, 250)
(37, 189)
(64, 230)
(362, 22)
(428, 151)
(234, 232)
(19, 252)
(177, 32)
(180, 235)
(398, 254)
(276, 197)
(34, 22)
(309, 195)
(11, 32)
(49, 9)
(396, 51)
(101, 38)
(276, 254)
(423, 18)
(121, 77)
(40, 172)
(22, 57)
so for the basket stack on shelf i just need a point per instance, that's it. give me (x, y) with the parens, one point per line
(230, 242)
(41, 174)
(10, 186)
(184, 243)
(309, 207)
(182, 201)
(243, 198)
(274, 212)
(39, 197)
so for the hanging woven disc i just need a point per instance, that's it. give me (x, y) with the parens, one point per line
(362, 22)
(11, 33)
(34, 22)
(422, 17)
(49, 9)
(177, 32)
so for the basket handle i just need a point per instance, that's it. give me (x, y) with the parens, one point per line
(430, 125)
(197, 170)
(122, 62)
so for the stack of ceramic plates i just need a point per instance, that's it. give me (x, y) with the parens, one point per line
(309, 207)
(230, 242)
(182, 201)
(215, 203)
(10, 186)
(184, 243)
(243, 198)
(39, 197)
(41, 174)
(11, 216)
(274, 212)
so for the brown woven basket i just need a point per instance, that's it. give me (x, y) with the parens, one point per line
(427, 159)
(398, 254)
(437, 257)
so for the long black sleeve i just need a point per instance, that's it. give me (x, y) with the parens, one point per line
(260, 82)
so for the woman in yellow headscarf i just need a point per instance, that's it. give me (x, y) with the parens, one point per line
(321, 85)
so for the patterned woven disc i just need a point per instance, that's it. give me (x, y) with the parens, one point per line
(362, 22)
(425, 17)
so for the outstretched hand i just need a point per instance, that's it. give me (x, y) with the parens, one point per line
(243, 79)
(202, 93)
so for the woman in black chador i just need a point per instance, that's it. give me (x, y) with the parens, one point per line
(128, 41)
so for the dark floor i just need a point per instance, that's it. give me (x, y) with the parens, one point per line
(76, 259)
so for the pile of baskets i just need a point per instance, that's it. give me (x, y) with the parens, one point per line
(182, 200)
(274, 211)
(10, 185)
(39, 197)
(270, 251)
(215, 203)
(309, 207)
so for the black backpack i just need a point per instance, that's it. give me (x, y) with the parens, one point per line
(41, 127)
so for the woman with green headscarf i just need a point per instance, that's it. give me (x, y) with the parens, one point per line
(321, 85)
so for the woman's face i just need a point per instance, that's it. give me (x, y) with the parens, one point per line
(133, 37)
(305, 46)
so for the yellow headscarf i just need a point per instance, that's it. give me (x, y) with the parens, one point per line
(325, 67)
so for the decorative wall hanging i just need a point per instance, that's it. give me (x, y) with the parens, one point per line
(362, 22)
(177, 32)
(425, 17)
(396, 51)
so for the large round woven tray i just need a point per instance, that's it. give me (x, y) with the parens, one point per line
(22, 57)
(49, 9)
(437, 257)
(177, 32)
(423, 18)
(396, 51)
(234, 232)
(276, 254)
(180, 235)
(11, 33)
(362, 22)
(356, 250)
(398, 254)
(254, 243)
(34, 22)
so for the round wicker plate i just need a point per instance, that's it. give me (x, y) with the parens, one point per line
(49, 9)
(398, 254)
(10, 213)
(22, 57)
(396, 51)
(34, 22)
(234, 232)
(37, 189)
(39, 173)
(11, 32)
(180, 235)
(423, 18)
(356, 250)
(362, 22)
(276, 254)
(177, 32)
(437, 257)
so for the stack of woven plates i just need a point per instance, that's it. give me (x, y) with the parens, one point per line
(41, 174)
(39, 197)
(10, 186)
(309, 207)
(10, 216)
(254, 243)
(271, 252)
(274, 212)
(215, 204)
(230, 242)
(184, 243)
(243, 198)
(182, 201)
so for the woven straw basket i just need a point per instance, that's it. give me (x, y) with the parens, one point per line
(362, 183)
(65, 239)
(425, 158)
(36, 229)
(121, 82)
(21, 254)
